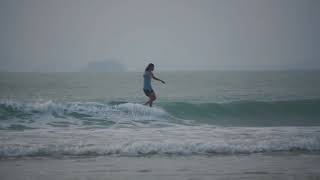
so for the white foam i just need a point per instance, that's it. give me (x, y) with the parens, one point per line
(94, 110)
(182, 140)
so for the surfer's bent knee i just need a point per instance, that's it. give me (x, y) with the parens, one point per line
(153, 97)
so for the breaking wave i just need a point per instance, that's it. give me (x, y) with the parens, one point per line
(21, 115)
(181, 140)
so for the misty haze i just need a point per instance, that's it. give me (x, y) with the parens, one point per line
(58, 36)
(104, 66)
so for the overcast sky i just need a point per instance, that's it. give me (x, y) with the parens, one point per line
(64, 35)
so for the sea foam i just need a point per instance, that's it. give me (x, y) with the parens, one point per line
(182, 140)
(42, 114)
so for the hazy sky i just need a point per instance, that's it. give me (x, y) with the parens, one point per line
(64, 35)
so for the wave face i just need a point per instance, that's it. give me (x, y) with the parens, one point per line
(16, 115)
(250, 113)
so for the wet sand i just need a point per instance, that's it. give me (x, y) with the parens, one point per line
(255, 166)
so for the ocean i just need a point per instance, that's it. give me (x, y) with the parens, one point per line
(198, 116)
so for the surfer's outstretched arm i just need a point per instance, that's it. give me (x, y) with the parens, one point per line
(157, 78)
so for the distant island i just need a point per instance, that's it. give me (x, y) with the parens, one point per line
(105, 66)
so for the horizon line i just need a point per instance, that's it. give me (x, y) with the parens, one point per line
(168, 70)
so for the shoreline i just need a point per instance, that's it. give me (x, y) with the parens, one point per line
(252, 166)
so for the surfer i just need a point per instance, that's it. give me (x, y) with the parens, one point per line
(147, 89)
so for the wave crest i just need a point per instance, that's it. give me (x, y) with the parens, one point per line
(89, 113)
(241, 113)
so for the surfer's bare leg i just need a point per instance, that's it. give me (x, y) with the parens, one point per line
(152, 97)
(148, 102)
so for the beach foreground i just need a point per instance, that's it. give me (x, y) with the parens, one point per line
(254, 166)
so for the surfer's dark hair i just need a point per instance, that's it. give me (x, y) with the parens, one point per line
(148, 68)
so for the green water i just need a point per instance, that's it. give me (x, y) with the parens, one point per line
(207, 86)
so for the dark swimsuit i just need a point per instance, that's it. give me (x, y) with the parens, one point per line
(147, 92)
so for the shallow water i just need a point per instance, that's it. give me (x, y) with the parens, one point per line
(279, 166)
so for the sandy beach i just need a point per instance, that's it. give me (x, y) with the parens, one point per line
(254, 166)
